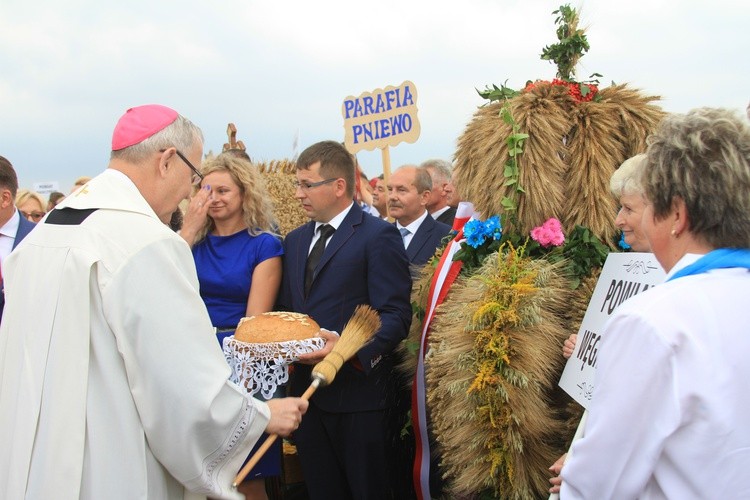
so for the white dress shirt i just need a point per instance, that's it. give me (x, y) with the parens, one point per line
(412, 228)
(335, 223)
(439, 212)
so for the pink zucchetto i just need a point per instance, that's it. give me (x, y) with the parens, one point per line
(140, 123)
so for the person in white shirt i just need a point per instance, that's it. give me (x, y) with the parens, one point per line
(668, 416)
(112, 384)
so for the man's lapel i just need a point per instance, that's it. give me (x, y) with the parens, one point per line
(341, 236)
(419, 238)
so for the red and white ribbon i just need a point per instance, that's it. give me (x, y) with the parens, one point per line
(444, 276)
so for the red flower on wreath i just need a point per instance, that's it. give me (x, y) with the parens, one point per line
(581, 92)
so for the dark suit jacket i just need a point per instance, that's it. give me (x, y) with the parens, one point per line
(364, 263)
(447, 217)
(24, 227)
(424, 242)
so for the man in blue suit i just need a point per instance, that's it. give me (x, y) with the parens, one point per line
(409, 190)
(340, 259)
(13, 227)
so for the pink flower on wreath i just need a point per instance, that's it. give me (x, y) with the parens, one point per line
(549, 234)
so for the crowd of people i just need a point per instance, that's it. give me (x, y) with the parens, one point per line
(31, 205)
(113, 382)
(230, 229)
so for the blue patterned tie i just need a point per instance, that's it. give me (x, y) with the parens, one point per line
(404, 233)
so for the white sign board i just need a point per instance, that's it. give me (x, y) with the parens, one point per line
(46, 187)
(623, 275)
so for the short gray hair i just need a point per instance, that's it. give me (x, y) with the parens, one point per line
(440, 170)
(422, 180)
(181, 134)
(627, 178)
(703, 158)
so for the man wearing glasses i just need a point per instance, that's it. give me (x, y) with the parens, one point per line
(111, 382)
(342, 258)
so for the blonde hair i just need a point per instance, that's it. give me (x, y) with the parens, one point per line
(24, 195)
(257, 208)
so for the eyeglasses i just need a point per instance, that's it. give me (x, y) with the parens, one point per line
(197, 176)
(305, 186)
(33, 216)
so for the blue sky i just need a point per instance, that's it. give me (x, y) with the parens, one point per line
(278, 68)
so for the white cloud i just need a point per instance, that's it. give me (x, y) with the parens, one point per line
(273, 67)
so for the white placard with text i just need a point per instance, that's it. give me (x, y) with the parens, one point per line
(623, 275)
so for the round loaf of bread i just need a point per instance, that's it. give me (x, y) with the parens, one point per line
(276, 327)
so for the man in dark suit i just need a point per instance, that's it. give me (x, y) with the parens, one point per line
(409, 189)
(437, 204)
(408, 192)
(343, 441)
(13, 227)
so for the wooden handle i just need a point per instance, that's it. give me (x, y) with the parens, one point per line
(385, 154)
(255, 459)
(269, 441)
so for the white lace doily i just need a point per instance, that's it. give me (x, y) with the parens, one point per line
(263, 367)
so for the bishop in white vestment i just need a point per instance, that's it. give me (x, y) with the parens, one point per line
(111, 381)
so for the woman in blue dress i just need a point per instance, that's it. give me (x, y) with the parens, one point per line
(230, 227)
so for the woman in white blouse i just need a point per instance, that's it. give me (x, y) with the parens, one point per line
(668, 417)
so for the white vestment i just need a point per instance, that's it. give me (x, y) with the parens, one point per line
(671, 405)
(112, 384)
